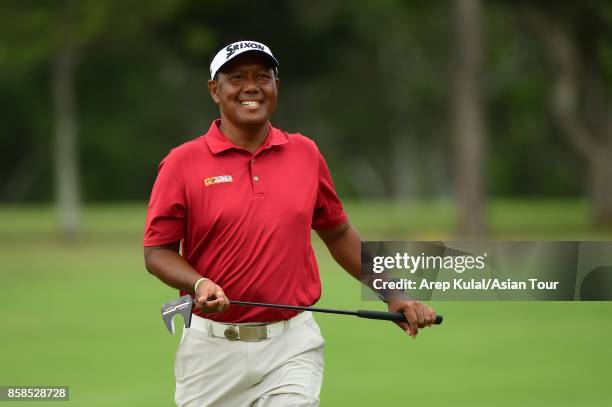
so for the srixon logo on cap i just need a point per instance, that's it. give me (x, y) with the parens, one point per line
(233, 48)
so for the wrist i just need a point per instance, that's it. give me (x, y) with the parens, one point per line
(397, 297)
(197, 283)
(387, 295)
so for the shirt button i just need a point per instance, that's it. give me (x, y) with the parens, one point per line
(256, 178)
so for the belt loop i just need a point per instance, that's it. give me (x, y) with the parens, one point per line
(209, 329)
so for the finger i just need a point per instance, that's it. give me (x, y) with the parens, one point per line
(221, 300)
(203, 306)
(212, 303)
(431, 316)
(211, 306)
(224, 300)
(420, 316)
(201, 300)
(220, 294)
(412, 319)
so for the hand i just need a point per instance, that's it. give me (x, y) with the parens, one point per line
(418, 315)
(210, 298)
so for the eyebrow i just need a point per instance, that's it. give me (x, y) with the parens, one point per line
(242, 68)
(231, 73)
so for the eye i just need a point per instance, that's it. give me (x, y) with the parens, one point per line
(237, 77)
(263, 77)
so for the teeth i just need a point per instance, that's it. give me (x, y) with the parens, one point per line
(249, 103)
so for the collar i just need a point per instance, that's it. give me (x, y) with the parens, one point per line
(219, 142)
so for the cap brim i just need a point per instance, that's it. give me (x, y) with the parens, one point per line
(271, 61)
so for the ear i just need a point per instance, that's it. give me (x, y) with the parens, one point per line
(277, 83)
(213, 89)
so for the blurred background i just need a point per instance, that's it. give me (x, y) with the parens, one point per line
(459, 119)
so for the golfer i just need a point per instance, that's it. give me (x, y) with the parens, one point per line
(230, 216)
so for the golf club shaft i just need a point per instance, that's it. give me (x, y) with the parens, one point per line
(381, 315)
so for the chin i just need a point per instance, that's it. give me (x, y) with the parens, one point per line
(253, 120)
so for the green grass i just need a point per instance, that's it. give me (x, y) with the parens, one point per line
(86, 314)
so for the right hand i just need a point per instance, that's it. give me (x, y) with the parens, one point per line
(417, 314)
(210, 298)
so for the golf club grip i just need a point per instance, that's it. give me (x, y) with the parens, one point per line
(390, 316)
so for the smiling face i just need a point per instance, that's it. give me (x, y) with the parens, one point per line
(245, 90)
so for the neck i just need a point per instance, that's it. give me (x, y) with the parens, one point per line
(249, 138)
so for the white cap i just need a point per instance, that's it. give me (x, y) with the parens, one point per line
(233, 50)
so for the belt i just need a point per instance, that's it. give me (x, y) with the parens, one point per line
(247, 332)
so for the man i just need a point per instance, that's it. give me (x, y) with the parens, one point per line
(243, 199)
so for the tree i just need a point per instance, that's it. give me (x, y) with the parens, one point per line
(64, 61)
(58, 35)
(576, 40)
(469, 131)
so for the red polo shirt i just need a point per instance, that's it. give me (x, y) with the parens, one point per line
(245, 218)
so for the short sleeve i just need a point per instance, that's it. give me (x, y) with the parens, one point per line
(167, 211)
(328, 211)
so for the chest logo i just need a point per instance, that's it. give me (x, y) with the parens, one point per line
(219, 179)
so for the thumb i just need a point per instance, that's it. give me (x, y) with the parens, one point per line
(406, 327)
(204, 293)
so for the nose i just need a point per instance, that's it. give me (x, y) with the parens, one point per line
(250, 84)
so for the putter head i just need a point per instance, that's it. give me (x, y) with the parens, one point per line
(183, 306)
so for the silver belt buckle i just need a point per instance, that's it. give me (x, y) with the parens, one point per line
(253, 333)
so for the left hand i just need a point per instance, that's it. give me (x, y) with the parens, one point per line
(418, 314)
(210, 298)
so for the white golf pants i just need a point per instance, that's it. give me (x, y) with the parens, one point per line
(286, 370)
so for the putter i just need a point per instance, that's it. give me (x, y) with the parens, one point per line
(184, 306)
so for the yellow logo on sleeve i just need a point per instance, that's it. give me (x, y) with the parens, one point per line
(219, 179)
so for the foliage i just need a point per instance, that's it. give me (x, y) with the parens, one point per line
(369, 81)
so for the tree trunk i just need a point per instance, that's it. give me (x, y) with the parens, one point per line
(395, 63)
(592, 142)
(601, 191)
(404, 182)
(469, 142)
(66, 160)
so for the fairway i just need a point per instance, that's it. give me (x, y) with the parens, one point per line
(86, 314)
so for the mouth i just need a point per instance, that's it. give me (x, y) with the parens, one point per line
(250, 104)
